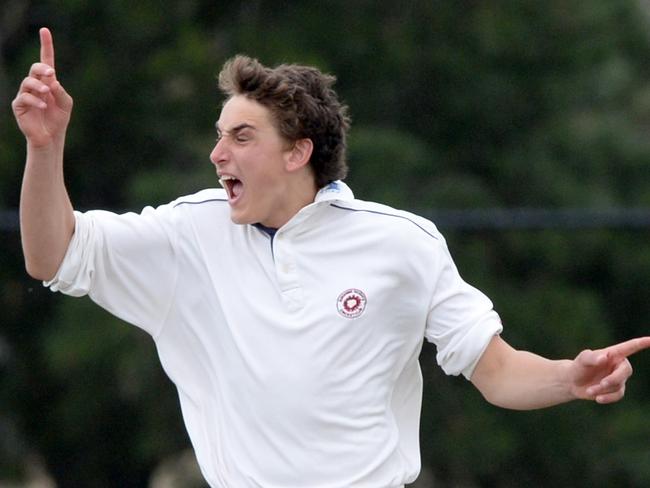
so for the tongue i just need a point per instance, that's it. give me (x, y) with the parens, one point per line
(236, 188)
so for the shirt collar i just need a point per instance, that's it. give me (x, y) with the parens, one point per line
(336, 190)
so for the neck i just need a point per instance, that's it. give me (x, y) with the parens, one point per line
(299, 193)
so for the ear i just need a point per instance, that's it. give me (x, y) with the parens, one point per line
(299, 155)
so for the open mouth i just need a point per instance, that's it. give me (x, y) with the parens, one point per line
(233, 186)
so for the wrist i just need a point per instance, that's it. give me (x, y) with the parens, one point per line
(55, 144)
(566, 379)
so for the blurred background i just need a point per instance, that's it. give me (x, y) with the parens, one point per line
(482, 115)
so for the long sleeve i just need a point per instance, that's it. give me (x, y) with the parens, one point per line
(461, 319)
(126, 263)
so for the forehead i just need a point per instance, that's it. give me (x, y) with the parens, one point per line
(239, 110)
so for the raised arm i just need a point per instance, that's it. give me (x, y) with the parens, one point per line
(522, 380)
(42, 109)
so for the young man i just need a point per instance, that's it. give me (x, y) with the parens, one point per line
(289, 315)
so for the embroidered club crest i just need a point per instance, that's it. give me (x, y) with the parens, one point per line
(351, 303)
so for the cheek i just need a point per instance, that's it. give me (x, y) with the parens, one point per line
(262, 163)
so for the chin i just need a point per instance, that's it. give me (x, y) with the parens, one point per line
(240, 219)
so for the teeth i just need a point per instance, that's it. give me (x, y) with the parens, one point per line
(227, 182)
(225, 178)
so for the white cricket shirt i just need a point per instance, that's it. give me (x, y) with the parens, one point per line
(295, 356)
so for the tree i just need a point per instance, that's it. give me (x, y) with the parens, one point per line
(454, 104)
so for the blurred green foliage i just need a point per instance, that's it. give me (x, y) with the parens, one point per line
(455, 104)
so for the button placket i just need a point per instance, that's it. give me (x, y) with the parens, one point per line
(287, 272)
(286, 266)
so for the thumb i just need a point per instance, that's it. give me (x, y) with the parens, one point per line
(63, 100)
(591, 358)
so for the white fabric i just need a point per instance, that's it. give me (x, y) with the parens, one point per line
(278, 388)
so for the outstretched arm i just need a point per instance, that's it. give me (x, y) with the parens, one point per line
(42, 109)
(522, 380)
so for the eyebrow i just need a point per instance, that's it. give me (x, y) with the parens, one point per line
(237, 128)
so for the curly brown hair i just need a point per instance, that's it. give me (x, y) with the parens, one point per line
(303, 104)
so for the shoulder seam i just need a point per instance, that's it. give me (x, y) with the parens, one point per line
(377, 212)
(189, 202)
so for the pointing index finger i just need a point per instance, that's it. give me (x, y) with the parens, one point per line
(630, 347)
(47, 47)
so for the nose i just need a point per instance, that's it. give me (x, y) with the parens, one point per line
(219, 154)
